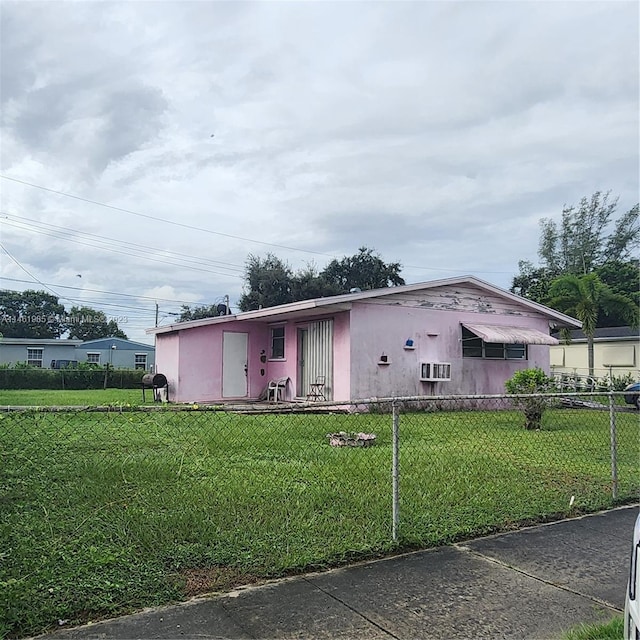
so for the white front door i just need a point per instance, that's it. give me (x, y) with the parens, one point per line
(234, 364)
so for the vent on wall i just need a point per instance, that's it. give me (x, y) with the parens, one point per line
(435, 371)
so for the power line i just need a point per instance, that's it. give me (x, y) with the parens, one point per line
(55, 293)
(105, 240)
(113, 293)
(121, 252)
(164, 220)
(465, 271)
(217, 233)
(140, 316)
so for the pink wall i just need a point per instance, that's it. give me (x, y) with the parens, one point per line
(192, 360)
(288, 367)
(285, 368)
(200, 364)
(341, 357)
(378, 329)
(259, 372)
(167, 360)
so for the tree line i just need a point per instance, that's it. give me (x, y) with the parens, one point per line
(38, 314)
(270, 281)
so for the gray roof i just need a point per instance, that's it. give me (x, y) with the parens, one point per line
(343, 301)
(120, 343)
(607, 333)
(37, 342)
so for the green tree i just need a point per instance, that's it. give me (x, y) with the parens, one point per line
(585, 297)
(199, 312)
(30, 314)
(308, 283)
(86, 323)
(583, 242)
(622, 277)
(364, 270)
(267, 283)
(532, 282)
(625, 237)
(587, 240)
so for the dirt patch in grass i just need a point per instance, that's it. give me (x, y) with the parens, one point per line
(205, 580)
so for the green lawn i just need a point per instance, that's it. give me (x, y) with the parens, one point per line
(92, 397)
(103, 513)
(612, 630)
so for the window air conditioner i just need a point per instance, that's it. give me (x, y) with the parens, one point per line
(435, 371)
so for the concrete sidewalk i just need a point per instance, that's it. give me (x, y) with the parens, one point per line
(534, 583)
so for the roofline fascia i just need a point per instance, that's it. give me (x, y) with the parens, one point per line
(133, 342)
(304, 305)
(67, 342)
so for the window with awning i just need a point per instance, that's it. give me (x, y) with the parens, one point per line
(509, 335)
(500, 342)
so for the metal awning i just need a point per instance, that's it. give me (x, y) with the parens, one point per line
(510, 335)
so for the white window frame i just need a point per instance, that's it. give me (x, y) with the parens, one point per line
(35, 361)
(90, 355)
(275, 355)
(136, 364)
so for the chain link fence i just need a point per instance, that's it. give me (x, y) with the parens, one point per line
(105, 509)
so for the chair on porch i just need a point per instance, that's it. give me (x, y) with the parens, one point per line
(277, 390)
(316, 389)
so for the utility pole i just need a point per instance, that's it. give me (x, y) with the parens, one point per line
(156, 314)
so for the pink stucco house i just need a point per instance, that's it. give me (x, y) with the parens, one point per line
(451, 336)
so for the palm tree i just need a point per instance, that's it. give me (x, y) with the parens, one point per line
(584, 297)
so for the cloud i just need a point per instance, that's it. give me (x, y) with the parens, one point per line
(437, 133)
(167, 292)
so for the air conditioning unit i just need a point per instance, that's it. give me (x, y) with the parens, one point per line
(435, 371)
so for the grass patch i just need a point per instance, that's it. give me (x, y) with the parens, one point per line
(612, 630)
(85, 398)
(105, 513)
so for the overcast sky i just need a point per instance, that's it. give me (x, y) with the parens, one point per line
(437, 133)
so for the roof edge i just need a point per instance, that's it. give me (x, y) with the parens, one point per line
(64, 341)
(562, 319)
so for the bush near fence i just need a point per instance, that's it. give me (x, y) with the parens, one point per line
(107, 511)
(38, 378)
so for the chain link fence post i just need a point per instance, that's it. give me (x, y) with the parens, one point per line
(614, 447)
(395, 470)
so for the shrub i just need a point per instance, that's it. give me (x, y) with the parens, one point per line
(22, 376)
(615, 383)
(531, 381)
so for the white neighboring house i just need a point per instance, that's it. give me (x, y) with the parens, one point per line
(616, 352)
